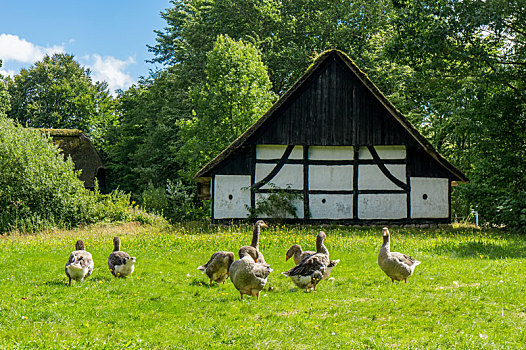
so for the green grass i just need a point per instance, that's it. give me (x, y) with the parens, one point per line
(468, 293)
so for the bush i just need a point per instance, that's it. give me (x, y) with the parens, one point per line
(39, 190)
(175, 201)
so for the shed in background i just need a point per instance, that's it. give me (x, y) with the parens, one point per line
(75, 144)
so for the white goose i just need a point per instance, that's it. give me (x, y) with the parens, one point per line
(80, 263)
(255, 240)
(311, 270)
(396, 265)
(249, 277)
(121, 264)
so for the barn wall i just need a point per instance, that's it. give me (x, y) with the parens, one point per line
(325, 176)
(231, 195)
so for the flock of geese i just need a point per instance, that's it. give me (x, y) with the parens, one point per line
(80, 263)
(250, 272)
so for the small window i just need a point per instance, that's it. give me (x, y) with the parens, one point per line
(424, 196)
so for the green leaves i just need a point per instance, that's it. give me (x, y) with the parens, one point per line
(235, 93)
(57, 92)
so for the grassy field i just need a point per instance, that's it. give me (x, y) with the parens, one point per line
(468, 293)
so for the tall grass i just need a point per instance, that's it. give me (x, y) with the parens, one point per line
(467, 293)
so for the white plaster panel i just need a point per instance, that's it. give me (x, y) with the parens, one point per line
(290, 174)
(276, 152)
(435, 192)
(231, 195)
(370, 177)
(382, 206)
(331, 153)
(330, 206)
(298, 203)
(384, 152)
(330, 177)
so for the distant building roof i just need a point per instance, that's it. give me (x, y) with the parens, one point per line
(76, 144)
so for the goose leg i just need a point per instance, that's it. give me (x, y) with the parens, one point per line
(69, 281)
(241, 295)
(257, 296)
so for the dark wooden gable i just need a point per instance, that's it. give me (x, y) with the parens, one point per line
(332, 108)
(333, 104)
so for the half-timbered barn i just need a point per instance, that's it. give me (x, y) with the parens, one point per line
(336, 141)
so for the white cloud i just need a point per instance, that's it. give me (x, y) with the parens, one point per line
(16, 52)
(8, 72)
(14, 48)
(111, 70)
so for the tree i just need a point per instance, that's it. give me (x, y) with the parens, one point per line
(4, 95)
(139, 143)
(469, 60)
(57, 92)
(288, 33)
(235, 93)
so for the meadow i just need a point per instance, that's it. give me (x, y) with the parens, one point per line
(468, 293)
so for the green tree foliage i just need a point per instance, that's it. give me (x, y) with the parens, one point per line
(4, 94)
(469, 63)
(288, 33)
(57, 92)
(39, 190)
(139, 144)
(234, 94)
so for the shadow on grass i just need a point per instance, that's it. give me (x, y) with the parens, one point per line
(58, 282)
(512, 249)
(201, 283)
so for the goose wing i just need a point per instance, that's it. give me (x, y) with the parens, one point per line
(316, 262)
(405, 259)
(117, 258)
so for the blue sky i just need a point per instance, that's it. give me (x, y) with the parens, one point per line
(109, 37)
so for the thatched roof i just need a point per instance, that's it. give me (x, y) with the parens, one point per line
(76, 144)
(394, 112)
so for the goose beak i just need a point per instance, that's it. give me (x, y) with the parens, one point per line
(385, 232)
(287, 258)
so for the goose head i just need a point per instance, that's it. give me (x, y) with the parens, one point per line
(250, 251)
(260, 224)
(79, 245)
(292, 251)
(116, 244)
(385, 234)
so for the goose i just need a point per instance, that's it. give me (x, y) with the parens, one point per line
(80, 263)
(217, 267)
(121, 264)
(311, 270)
(396, 265)
(321, 248)
(248, 276)
(308, 273)
(297, 254)
(255, 240)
